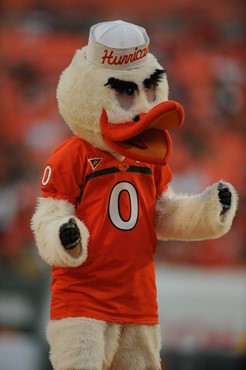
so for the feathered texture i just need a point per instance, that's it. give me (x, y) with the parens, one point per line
(76, 343)
(194, 217)
(82, 94)
(85, 343)
(139, 348)
(50, 214)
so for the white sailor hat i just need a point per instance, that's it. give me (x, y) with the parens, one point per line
(117, 45)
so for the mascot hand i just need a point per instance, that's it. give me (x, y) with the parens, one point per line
(70, 234)
(224, 197)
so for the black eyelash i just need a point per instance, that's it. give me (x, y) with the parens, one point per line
(154, 79)
(122, 86)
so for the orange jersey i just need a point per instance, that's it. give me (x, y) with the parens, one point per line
(116, 201)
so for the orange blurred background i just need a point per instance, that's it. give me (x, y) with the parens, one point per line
(202, 47)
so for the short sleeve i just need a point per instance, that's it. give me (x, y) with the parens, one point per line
(162, 176)
(63, 174)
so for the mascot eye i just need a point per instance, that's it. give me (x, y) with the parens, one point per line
(150, 94)
(125, 91)
(125, 99)
(154, 79)
(150, 84)
(129, 91)
(122, 86)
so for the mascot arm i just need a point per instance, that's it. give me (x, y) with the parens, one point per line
(207, 215)
(55, 241)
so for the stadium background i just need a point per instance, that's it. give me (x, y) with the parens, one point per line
(201, 285)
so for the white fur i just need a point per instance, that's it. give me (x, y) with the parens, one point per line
(50, 214)
(194, 217)
(90, 344)
(81, 96)
(76, 343)
(139, 348)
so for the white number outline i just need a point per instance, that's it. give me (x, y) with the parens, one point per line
(47, 168)
(114, 207)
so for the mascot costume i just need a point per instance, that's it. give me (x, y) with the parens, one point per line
(106, 200)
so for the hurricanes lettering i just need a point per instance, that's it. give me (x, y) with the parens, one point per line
(110, 58)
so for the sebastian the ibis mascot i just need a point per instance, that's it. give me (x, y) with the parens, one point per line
(106, 200)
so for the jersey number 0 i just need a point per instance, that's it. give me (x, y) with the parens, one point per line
(114, 206)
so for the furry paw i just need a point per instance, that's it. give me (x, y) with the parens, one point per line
(225, 196)
(69, 234)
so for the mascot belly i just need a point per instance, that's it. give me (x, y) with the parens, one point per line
(106, 200)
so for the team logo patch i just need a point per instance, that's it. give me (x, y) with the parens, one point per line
(94, 162)
(123, 167)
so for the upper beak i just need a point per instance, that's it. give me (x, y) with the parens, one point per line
(166, 115)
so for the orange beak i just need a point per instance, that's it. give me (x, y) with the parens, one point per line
(146, 138)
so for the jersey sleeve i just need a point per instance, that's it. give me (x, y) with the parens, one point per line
(63, 174)
(162, 176)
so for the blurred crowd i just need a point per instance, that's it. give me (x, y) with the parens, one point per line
(201, 47)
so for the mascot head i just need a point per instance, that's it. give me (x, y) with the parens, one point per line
(114, 94)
